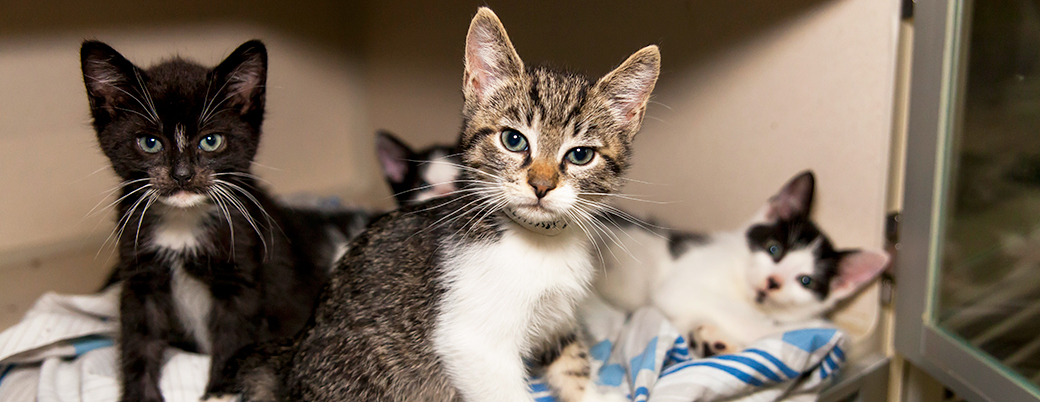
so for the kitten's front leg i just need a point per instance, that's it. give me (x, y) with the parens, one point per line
(568, 372)
(484, 369)
(144, 310)
(233, 323)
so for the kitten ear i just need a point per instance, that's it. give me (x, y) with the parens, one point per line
(241, 78)
(108, 76)
(627, 89)
(490, 57)
(794, 199)
(855, 269)
(393, 156)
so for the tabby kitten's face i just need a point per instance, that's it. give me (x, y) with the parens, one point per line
(178, 132)
(546, 146)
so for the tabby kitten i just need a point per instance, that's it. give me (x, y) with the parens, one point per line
(724, 290)
(204, 257)
(416, 176)
(444, 301)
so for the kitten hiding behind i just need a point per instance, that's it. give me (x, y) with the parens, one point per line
(724, 290)
(205, 259)
(444, 301)
(416, 176)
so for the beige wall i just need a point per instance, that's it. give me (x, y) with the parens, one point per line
(54, 174)
(749, 95)
(747, 98)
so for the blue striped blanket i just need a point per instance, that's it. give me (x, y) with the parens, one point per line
(645, 358)
(62, 351)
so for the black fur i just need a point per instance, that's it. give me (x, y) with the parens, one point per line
(679, 242)
(263, 286)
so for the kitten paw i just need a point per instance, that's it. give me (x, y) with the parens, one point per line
(708, 340)
(594, 394)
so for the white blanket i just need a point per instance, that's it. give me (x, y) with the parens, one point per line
(62, 351)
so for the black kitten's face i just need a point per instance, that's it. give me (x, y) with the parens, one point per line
(417, 176)
(177, 130)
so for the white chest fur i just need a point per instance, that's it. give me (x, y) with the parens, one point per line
(192, 301)
(181, 231)
(503, 299)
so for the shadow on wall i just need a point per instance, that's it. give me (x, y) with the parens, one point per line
(335, 24)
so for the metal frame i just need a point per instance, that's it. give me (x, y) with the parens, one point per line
(870, 385)
(936, 81)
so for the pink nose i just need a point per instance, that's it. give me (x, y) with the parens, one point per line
(772, 283)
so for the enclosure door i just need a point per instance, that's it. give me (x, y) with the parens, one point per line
(968, 303)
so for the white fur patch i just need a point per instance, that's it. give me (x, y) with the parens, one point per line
(181, 229)
(440, 174)
(184, 199)
(192, 300)
(440, 171)
(503, 299)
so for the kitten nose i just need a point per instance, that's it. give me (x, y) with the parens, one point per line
(182, 174)
(541, 186)
(772, 283)
(542, 176)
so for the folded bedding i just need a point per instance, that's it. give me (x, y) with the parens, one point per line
(63, 351)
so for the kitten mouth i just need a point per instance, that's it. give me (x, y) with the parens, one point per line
(550, 226)
(760, 297)
(183, 199)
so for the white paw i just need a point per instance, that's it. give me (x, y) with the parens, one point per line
(595, 394)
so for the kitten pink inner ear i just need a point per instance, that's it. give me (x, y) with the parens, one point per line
(629, 86)
(490, 57)
(393, 157)
(856, 269)
(794, 198)
(245, 82)
(107, 74)
(244, 75)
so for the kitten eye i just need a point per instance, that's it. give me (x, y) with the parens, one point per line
(149, 144)
(581, 155)
(513, 140)
(211, 142)
(774, 249)
(806, 281)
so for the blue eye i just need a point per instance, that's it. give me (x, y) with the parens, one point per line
(581, 155)
(774, 249)
(211, 142)
(513, 140)
(149, 144)
(805, 280)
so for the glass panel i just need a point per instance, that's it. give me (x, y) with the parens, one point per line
(989, 288)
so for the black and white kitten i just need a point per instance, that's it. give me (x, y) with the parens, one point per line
(724, 290)
(205, 259)
(444, 301)
(416, 176)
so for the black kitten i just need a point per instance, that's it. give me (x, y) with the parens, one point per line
(204, 256)
(416, 176)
